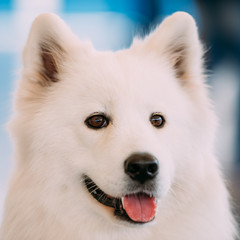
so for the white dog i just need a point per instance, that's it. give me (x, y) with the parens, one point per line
(115, 146)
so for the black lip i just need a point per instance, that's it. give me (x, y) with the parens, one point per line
(98, 194)
(108, 201)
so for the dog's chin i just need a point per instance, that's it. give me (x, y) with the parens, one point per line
(138, 207)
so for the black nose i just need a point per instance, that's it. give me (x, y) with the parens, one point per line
(141, 167)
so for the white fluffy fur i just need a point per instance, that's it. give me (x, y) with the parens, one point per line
(162, 73)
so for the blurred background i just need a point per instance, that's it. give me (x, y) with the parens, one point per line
(111, 25)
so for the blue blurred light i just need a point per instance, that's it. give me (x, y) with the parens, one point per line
(6, 5)
(137, 10)
(7, 65)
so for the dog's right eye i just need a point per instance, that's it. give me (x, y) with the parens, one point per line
(97, 121)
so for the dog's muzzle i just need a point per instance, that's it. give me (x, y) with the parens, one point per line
(139, 205)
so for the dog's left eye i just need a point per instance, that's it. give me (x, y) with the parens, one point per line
(157, 120)
(97, 121)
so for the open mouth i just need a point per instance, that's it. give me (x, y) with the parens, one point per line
(136, 208)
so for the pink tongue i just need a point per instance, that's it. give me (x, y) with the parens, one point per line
(140, 207)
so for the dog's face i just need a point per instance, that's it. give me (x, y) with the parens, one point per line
(119, 131)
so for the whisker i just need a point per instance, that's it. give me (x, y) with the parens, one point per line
(92, 190)
(102, 197)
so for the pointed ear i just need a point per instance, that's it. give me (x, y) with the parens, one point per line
(46, 48)
(176, 39)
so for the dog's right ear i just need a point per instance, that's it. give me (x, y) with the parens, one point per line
(47, 46)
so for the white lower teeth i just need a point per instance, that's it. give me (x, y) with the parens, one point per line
(122, 198)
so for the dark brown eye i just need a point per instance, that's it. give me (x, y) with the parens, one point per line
(157, 120)
(97, 121)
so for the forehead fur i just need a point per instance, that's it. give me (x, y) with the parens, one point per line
(156, 72)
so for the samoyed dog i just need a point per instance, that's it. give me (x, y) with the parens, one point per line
(115, 146)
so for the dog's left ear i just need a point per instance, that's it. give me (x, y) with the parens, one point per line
(46, 49)
(176, 39)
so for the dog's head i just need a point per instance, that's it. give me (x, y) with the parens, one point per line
(115, 134)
